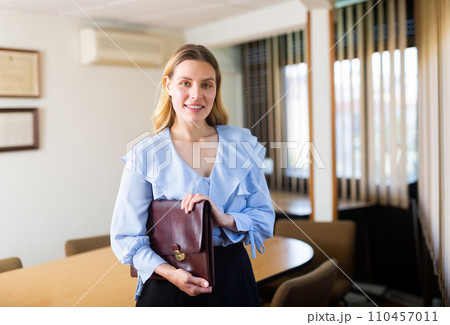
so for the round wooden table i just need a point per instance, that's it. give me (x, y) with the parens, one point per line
(282, 256)
(96, 278)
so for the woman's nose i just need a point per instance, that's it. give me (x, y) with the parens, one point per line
(195, 92)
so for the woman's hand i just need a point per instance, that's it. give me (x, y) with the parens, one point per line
(220, 218)
(184, 280)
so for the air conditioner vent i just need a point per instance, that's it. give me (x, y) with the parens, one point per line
(140, 48)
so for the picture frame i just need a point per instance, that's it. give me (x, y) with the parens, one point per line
(19, 73)
(19, 129)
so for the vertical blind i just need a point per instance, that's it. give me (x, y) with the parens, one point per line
(276, 100)
(371, 107)
(433, 43)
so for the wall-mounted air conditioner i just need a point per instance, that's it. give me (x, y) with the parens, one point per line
(120, 48)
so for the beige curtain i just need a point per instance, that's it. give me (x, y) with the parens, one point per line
(433, 43)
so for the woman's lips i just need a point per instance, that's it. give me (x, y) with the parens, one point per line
(194, 108)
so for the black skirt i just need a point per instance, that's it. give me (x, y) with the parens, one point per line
(235, 285)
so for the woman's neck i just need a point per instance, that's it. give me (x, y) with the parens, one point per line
(191, 132)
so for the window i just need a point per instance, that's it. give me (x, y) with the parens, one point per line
(277, 110)
(375, 78)
(381, 69)
(297, 110)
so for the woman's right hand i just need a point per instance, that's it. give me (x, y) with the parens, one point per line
(184, 280)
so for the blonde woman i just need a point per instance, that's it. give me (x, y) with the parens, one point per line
(194, 156)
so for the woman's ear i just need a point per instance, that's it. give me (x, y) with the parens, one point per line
(166, 82)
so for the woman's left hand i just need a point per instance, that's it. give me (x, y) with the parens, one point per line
(220, 218)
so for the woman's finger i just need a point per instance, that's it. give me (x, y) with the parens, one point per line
(199, 282)
(186, 200)
(189, 205)
(195, 199)
(198, 290)
(190, 284)
(198, 285)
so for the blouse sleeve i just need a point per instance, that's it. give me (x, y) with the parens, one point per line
(128, 228)
(254, 223)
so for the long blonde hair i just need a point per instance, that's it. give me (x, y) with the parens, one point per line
(164, 115)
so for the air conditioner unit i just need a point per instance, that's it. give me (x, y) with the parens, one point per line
(108, 46)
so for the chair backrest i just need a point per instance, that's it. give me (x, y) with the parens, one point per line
(310, 290)
(336, 239)
(77, 246)
(9, 264)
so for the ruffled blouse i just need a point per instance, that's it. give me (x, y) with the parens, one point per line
(154, 170)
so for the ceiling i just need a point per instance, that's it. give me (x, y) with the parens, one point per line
(174, 14)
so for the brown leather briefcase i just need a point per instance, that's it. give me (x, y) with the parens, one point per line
(182, 240)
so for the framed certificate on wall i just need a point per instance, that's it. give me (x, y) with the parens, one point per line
(19, 129)
(19, 73)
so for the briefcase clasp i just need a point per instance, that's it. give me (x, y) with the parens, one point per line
(179, 256)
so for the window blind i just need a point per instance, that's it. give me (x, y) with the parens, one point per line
(276, 105)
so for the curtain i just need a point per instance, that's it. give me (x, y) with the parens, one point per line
(375, 121)
(433, 43)
(276, 105)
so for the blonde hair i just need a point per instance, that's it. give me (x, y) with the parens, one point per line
(164, 115)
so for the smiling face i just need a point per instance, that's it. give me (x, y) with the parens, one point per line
(192, 87)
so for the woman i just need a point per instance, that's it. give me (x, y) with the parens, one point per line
(194, 156)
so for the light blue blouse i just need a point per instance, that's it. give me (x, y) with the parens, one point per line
(154, 170)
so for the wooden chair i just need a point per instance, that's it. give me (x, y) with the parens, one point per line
(310, 290)
(336, 239)
(77, 246)
(9, 264)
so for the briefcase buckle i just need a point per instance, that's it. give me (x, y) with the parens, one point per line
(179, 256)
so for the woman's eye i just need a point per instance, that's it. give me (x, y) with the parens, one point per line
(207, 85)
(185, 83)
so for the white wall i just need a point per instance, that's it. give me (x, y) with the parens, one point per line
(67, 188)
(229, 59)
(266, 22)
